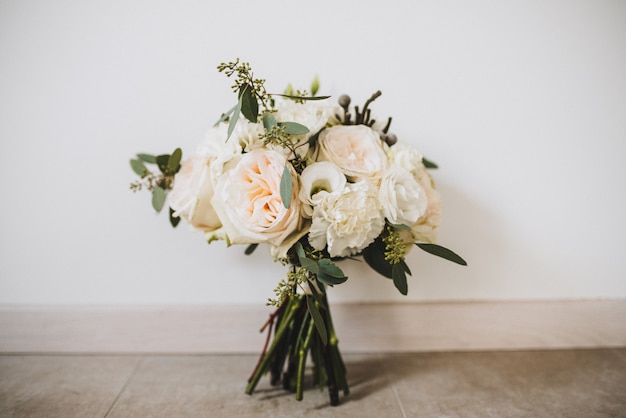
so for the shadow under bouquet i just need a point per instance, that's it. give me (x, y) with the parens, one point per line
(316, 180)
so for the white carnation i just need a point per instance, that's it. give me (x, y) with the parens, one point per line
(348, 221)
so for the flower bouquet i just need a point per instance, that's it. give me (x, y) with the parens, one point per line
(317, 181)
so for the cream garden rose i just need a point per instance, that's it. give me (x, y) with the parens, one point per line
(347, 221)
(247, 200)
(194, 184)
(356, 149)
(403, 199)
(425, 229)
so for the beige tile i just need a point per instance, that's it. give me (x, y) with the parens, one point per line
(202, 386)
(575, 383)
(61, 386)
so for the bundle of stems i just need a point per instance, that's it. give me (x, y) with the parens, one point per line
(295, 339)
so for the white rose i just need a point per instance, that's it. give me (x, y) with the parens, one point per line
(317, 180)
(406, 157)
(356, 149)
(247, 200)
(403, 199)
(347, 221)
(425, 229)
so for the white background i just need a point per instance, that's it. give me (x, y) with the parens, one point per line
(522, 104)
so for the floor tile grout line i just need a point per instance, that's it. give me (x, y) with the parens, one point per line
(393, 386)
(130, 377)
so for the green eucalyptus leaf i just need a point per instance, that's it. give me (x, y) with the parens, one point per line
(174, 220)
(374, 256)
(286, 184)
(289, 96)
(161, 161)
(249, 104)
(294, 128)
(429, 164)
(226, 115)
(318, 320)
(308, 264)
(327, 266)
(250, 249)
(150, 159)
(299, 249)
(233, 121)
(442, 252)
(406, 268)
(330, 280)
(138, 167)
(399, 278)
(173, 164)
(158, 198)
(269, 121)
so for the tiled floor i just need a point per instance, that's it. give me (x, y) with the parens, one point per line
(565, 383)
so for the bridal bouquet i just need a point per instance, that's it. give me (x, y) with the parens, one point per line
(317, 181)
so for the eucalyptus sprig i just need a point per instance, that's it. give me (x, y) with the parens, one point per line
(158, 183)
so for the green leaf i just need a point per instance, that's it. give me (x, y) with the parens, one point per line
(233, 120)
(310, 265)
(286, 186)
(158, 198)
(250, 249)
(327, 266)
(173, 163)
(138, 167)
(174, 220)
(299, 249)
(249, 104)
(330, 280)
(269, 121)
(226, 115)
(150, 159)
(399, 278)
(442, 252)
(315, 85)
(289, 96)
(429, 164)
(316, 295)
(161, 161)
(317, 319)
(374, 256)
(294, 128)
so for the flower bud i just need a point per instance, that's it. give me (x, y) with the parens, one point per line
(390, 139)
(344, 101)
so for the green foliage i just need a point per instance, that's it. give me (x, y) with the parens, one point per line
(324, 269)
(250, 249)
(139, 167)
(249, 104)
(315, 85)
(294, 128)
(286, 184)
(158, 198)
(318, 320)
(398, 275)
(442, 252)
(174, 220)
(429, 164)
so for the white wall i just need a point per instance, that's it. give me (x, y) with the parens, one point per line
(522, 104)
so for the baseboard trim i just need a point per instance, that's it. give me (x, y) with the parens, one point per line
(407, 327)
